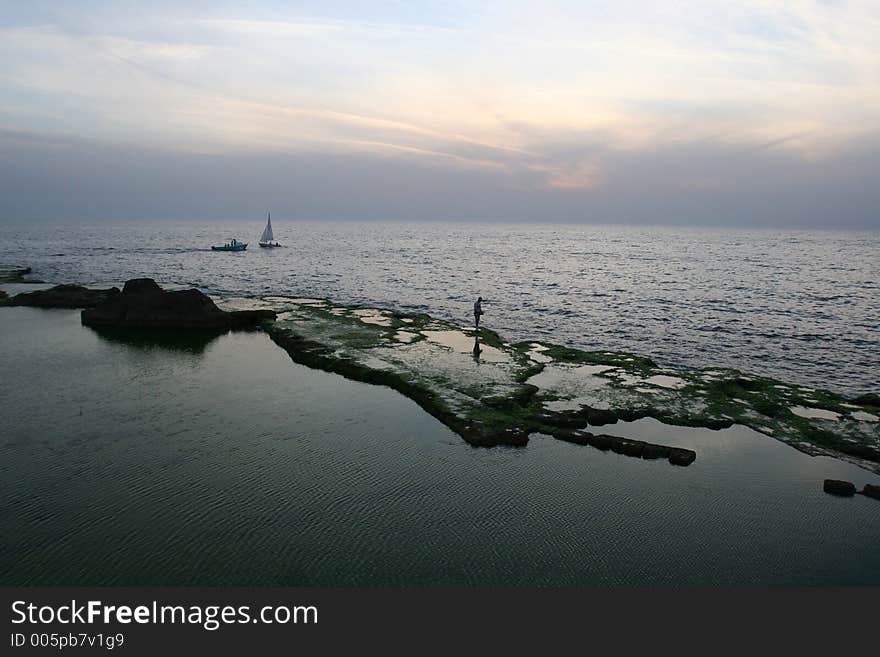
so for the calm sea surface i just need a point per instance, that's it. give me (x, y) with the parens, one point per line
(799, 306)
(222, 462)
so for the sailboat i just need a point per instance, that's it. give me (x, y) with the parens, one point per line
(267, 239)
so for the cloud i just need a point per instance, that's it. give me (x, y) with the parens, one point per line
(559, 103)
(708, 183)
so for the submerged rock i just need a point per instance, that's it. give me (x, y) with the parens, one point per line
(838, 487)
(628, 447)
(602, 441)
(681, 456)
(871, 490)
(576, 437)
(143, 304)
(64, 296)
(652, 451)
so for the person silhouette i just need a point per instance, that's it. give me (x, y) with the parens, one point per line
(478, 310)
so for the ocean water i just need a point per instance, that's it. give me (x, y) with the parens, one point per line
(797, 305)
(218, 461)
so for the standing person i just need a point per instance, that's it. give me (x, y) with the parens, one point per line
(478, 310)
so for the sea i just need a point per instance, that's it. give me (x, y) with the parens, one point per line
(800, 306)
(220, 462)
(133, 459)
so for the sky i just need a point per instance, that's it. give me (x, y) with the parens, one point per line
(750, 113)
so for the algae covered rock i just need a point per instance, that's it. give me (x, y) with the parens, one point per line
(870, 399)
(13, 274)
(490, 391)
(493, 392)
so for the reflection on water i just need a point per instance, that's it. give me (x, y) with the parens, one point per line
(124, 465)
(191, 341)
(461, 342)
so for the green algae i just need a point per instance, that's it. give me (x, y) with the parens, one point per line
(492, 392)
(15, 274)
(499, 393)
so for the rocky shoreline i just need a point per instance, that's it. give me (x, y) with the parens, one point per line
(15, 275)
(142, 304)
(492, 392)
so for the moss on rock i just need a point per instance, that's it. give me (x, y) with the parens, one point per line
(491, 392)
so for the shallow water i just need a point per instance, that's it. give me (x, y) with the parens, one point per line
(800, 306)
(219, 461)
(462, 343)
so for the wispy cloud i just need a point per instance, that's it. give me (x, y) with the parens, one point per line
(552, 95)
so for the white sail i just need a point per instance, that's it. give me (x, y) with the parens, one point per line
(267, 232)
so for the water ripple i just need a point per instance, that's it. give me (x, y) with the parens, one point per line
(770, 302)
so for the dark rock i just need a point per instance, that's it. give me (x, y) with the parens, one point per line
(143, 309)
(747, 384)
(628, 447)
(251, 318)
(870, 399)
(769, 409)
(141, 286)
(837, 487)
(477, 438)
(64, 296)
(681, 456)
(652, 451)
(602, 441)
(567, 420)
(862, 451)
(578, 438)
(598, 416)
(633, 414)
(3, 297)
(143, 304)
(718, 423)
(871, 490)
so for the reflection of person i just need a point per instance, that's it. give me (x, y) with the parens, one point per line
(478, 310)
(477, 349)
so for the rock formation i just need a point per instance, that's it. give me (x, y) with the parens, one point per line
(64, 296)
(143, 304)
(840, 488)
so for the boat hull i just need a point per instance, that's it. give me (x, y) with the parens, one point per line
(235, 247)
(270, 245)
